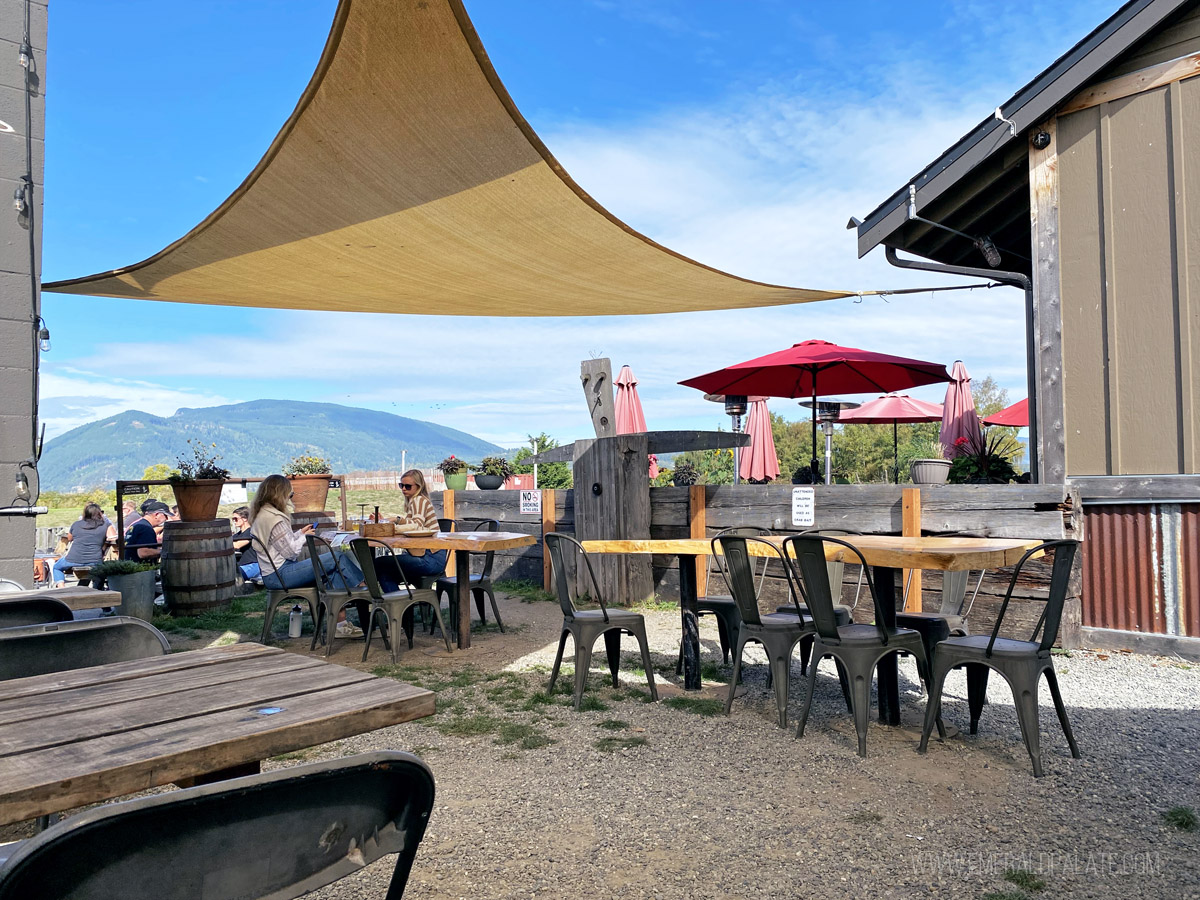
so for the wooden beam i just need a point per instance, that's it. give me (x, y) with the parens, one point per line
(1134, 83)
(1047, 301)
(910, 511)
(548, 525)
(596, 375)
(698, 528)
(448, 513)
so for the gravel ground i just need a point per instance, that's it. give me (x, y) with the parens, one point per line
(638, 799)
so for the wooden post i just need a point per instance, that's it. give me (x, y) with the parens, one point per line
(698, 528)
(345, 512)
(596, 375)
(911, 527)
(448, 513)
(548, 525)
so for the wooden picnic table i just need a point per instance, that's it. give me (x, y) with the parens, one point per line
(463, 543)
(884, 553)
(88, 735)
(74, 596)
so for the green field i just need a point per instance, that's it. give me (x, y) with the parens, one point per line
(388, 501)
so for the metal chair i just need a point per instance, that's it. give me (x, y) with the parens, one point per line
(331, 600)
(391, 606)
(857, 648)
(585, 625)
(277, 597)
(33, 611)
(8, 586)
(844, 614)
(280, 834)
(62, 646)
(777, 632)
(1021, 663)
(480, 584)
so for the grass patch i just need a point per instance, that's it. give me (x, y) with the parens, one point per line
(613, 744)
(243, 617)
(539, 698)
(864, 817)
(528, 591)
(1059, 651)
(528, 737)
(712, 671)
(701, 706)
(1181, 817)
(656, 606)
(1025, 880)
(409, 674)
(613, 725)
(638, 694)
(467, 726)
(592, 703)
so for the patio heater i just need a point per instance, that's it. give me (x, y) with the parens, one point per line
(828, 412)
(735, 408)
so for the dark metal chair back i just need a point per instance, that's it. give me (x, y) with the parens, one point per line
(555, 543)
(746, 531)
(33, 611)
(60, 647)
(281, 834)
(480, 525)
(1060, 578)
(316, 546)
(736, 565)
(805, 554)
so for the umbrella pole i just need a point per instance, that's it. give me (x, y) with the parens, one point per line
(813, 462)
(895, 453)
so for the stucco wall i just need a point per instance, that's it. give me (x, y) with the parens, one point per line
(16, 292)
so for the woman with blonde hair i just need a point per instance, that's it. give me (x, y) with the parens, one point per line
(271, 524)
(419, 515)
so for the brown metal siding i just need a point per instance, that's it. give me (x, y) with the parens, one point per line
(1141, 568)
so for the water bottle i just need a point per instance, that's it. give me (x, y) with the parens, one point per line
(295, 621)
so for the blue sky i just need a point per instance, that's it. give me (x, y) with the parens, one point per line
(743, 134)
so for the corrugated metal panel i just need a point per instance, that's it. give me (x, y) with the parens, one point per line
(1141, 568)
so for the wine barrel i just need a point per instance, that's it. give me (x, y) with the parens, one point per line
(198, 566)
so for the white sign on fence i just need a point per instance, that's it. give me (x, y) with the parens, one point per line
(804, 507)
(531, 503)
(233, 493)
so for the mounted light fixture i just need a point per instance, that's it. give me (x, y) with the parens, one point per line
(43, 335)
(22, 486)
(25, 54)
(20, 204)
(983, 244)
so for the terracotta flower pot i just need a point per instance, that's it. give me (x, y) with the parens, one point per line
(198, 500)
(309, 492)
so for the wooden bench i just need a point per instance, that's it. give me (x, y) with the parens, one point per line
(75, 597)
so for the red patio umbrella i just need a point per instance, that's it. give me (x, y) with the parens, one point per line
(759, 460)
(630, 418)
(819, 368)
(959, 419)
(893, 408)
(1015, 416)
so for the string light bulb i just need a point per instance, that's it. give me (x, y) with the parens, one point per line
(25, 54)
(22, 486)
(19, 203)
(43, 336)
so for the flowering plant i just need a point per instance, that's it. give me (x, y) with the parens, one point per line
(307, 465)
(203, 464)
(494, 465)
(989, 462)
(452, 465)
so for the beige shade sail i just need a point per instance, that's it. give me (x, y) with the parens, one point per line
(406, 181)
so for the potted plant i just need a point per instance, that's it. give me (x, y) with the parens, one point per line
(455, 472)
(197, 483)
(492, 472)
(986, 464)
(309, 476)
(134, 581)
(685, 473)
(933, 467)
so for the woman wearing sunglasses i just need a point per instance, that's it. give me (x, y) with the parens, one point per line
(419, 515)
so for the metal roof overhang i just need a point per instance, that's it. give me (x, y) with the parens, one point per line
(407, 181)
(980, 186)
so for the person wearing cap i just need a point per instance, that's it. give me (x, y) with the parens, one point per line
(142, 542)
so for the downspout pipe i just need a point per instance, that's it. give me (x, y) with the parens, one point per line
(1015, 279)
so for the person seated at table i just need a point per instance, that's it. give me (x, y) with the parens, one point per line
(411, 565)
(247, 559)
(86, 538)
(143, 541)
(271, 523)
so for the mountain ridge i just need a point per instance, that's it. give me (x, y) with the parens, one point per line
(253, 438)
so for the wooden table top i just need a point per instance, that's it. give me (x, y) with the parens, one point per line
(88, 735)
(471, 541)
(74, 596)
(945, 553)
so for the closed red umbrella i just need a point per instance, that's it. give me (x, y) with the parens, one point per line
(759, 460)
(630, 418)
(959, 419)
(819, 368)
(893, 408)
(1015, 416)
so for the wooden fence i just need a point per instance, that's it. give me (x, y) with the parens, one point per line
(1043, 512)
